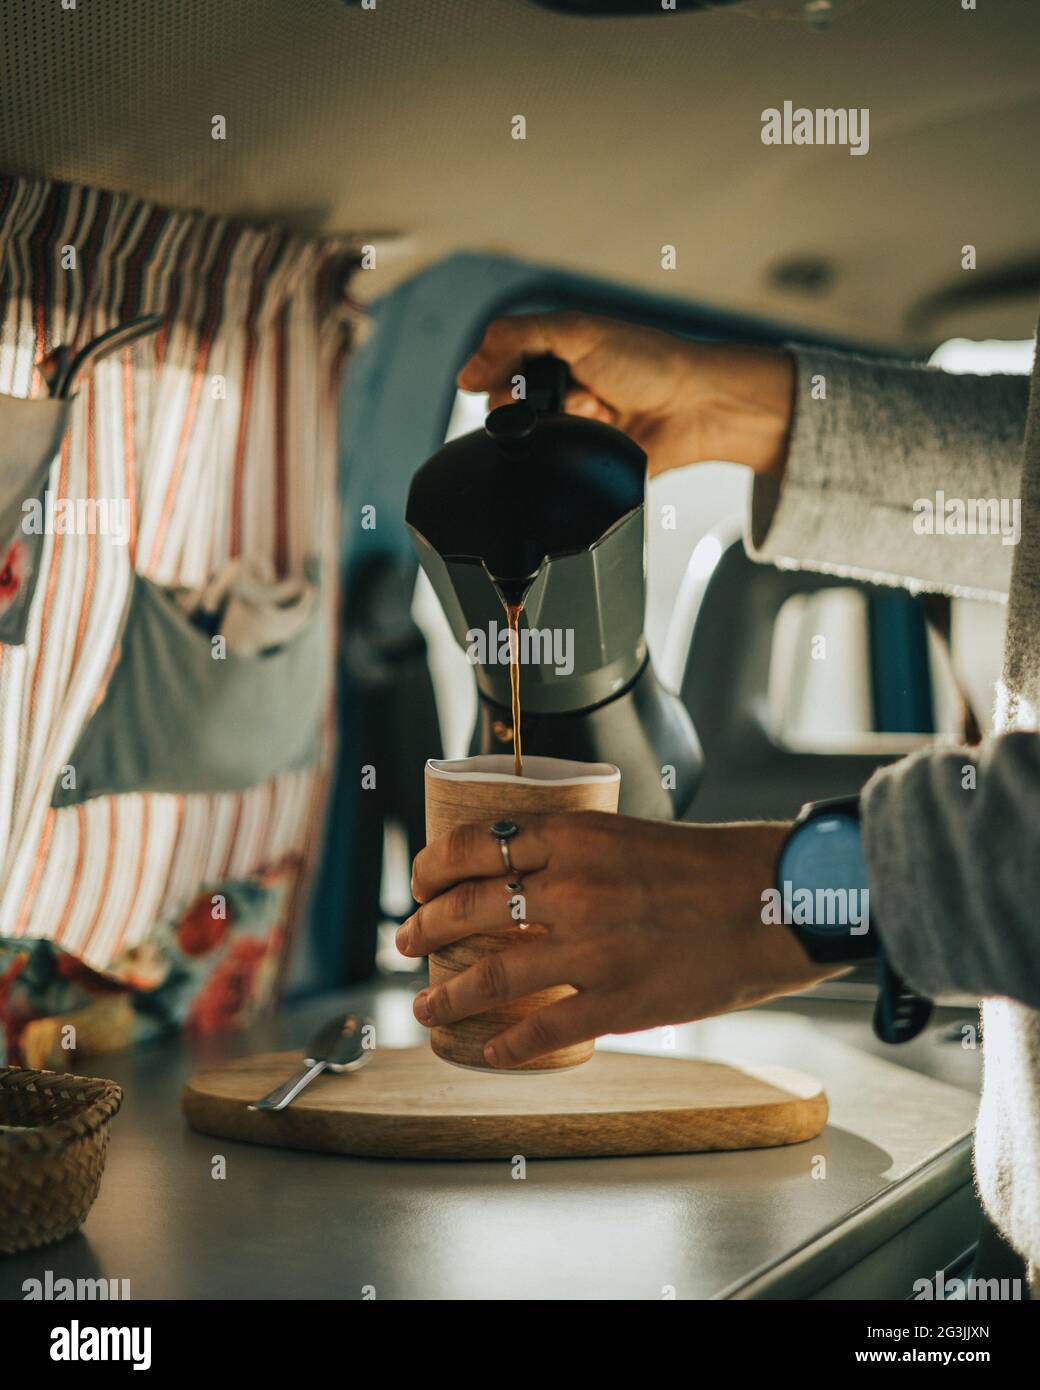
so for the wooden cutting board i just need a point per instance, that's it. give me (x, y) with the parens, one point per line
(407, 1103)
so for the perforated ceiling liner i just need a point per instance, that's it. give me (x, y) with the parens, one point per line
(640, 132)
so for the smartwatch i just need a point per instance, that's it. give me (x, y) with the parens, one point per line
(824, 897)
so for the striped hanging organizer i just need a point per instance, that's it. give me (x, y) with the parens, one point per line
(160, 804)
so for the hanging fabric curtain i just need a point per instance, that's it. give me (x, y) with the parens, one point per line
(161, 789)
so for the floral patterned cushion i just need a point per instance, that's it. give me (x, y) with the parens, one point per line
(211, 969)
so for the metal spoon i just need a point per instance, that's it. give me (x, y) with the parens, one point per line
(338, 1045)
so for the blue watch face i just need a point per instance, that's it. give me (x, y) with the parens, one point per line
(822, 876)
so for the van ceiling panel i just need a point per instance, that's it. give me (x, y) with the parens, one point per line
(640, 133)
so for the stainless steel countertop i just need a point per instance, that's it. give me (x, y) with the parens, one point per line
(283, 1224)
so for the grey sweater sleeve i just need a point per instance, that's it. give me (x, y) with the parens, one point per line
(952, 837)
(952, 841)
(872, 444)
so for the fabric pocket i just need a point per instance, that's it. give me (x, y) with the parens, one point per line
(30, 435)
(176, 718)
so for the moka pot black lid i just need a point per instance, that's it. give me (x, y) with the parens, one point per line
(532, 484)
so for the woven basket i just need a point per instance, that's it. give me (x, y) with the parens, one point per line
(50, 1171)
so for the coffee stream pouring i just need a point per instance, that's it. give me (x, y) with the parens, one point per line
(547, 510)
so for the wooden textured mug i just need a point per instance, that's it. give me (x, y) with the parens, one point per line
(480, 791)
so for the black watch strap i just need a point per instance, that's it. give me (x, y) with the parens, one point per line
(900, 1013)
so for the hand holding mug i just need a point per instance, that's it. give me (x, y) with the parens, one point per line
(651, 922)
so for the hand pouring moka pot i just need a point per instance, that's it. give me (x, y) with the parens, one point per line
(549, 509)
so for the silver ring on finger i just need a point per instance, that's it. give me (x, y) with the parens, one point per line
(504, 831)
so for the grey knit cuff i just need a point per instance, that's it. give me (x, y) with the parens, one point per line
(868, 440)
